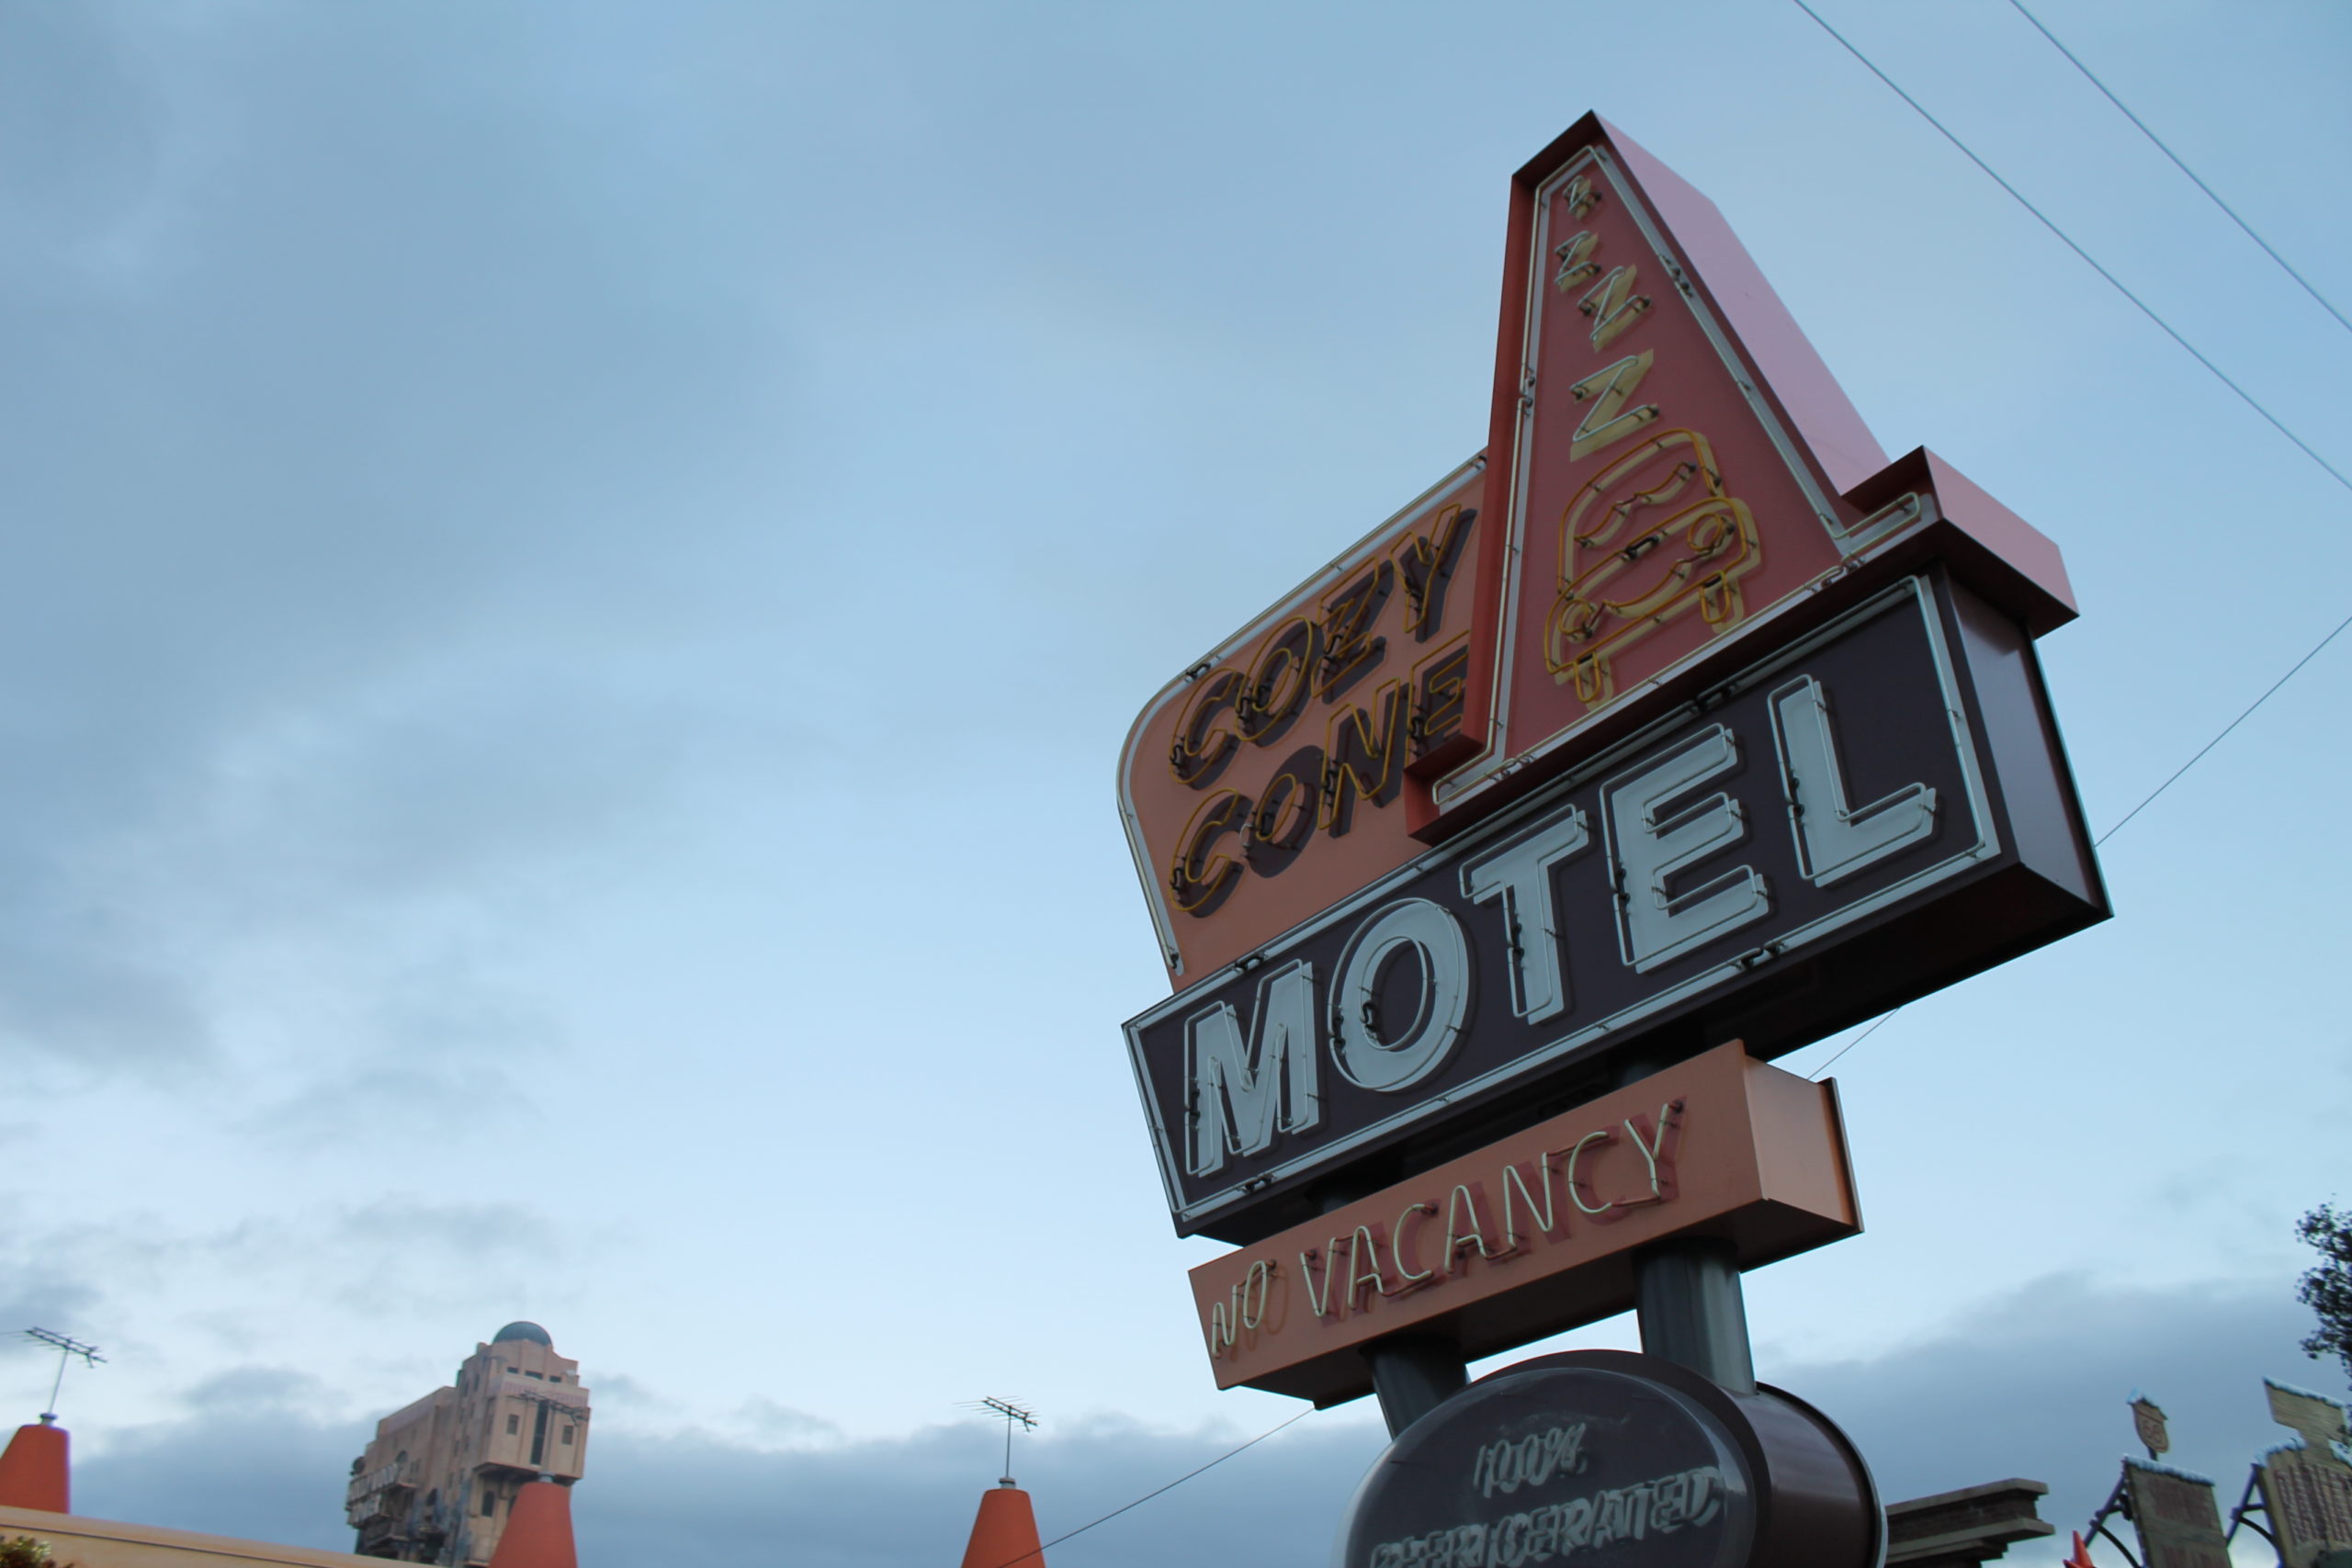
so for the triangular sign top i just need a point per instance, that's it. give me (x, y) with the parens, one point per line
(1674, 486)
(1672, 468)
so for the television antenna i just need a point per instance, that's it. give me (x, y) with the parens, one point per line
(1011, 1413)
(67, 1349)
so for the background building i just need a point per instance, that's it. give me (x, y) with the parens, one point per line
(438, 1482)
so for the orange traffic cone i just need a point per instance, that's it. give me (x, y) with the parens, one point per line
(1005, 1533)
(2082, 1557)
(34, 1472)
(538, 1531)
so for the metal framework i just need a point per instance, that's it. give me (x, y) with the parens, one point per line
(2119, 1502)
(2251, 1502)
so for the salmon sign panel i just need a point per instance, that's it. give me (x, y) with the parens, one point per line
(1534, 1234)
(1658, 503)
(1264, 783)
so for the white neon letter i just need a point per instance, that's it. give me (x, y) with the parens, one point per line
(1407, 1055)
(1521, 878)
(1575, 1182)
(1835, 840)
(1243, 1092)
(1651, 839)
(1653, 1151)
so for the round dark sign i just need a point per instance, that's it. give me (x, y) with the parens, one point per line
(1617, 1461)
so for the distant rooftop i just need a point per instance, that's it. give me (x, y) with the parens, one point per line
(521, 1330)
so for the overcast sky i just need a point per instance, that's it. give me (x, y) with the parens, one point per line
(575, 575)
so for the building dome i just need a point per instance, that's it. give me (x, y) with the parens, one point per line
(530, 1331)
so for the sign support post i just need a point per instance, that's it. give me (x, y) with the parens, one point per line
(1688, 1301)
(1412, 1375)
(1691, 1311)
(1687, 1294)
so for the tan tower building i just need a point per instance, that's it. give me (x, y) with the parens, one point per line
(438, 1482)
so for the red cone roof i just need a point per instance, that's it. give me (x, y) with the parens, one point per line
(1005, 1533)
(33, 1472)
(538, 1532)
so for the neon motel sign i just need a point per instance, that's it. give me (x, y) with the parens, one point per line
(1679, 714)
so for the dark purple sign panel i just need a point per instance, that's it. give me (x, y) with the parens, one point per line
(1621, 1461)
(1879, 809)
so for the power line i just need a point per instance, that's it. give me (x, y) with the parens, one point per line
(2292, 671)
(1814, 1076)
(2145, 801)
(2210, 194)
(2116, 282)
(2068, 241)
(1066, 1535)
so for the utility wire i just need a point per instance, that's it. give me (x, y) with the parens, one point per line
(2292, 671)
(1031, 1556)
(2147, 800)
(1883, 1019)
(2210, 194)
(2247, 398)
(2068, 241)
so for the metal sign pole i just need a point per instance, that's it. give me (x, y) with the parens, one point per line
(1687, 1301)
(1687, 1294)
(1412, 1375)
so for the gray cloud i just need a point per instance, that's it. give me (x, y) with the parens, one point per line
(251, 1461)
(78, 128)
(254, 1457)
(39, 1297)
(2033, 1385)
(132, 1279)
(327, 656)
(435, 1040)
(460, 1229)
(257, 1392)
(399, 1256)
(561, 555)
(2035, 1382)
(780, 1425)
(911, 1500)
(83, 982)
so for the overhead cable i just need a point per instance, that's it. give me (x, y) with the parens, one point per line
(2247, 398)
(2147, 800)
(1039, 1554)
(2210, 194)
(1878, 1023)
(2068, 241)
(2292, 671)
